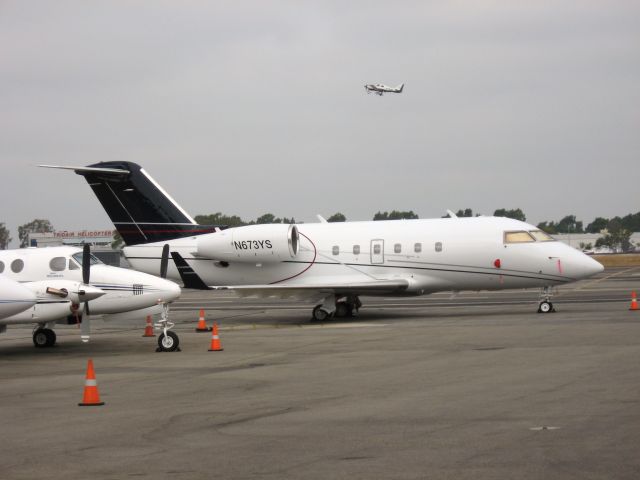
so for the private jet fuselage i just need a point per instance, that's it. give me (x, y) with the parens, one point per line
(481, 253)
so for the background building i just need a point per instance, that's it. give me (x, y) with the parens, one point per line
(100, 241)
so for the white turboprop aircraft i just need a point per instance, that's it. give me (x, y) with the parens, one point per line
(14, 298)
(69, 285)
(379, 88)
(331, 263)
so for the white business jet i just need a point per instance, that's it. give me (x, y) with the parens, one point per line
(69, 285)
(331, 264)
(380, 89)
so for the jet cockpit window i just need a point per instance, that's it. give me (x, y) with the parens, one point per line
(78, 258)
(518, 237)
(58, 264)
(541, 236)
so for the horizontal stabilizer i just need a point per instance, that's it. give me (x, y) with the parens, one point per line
(116, 171)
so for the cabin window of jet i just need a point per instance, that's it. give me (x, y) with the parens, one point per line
(17, 265)
(417, 247)
(438, 246)
(541, 236)
(1, 267)
(58, 264)
(397, 248)
(356, 249)
(518, 237)
(376, 249)
(336, 250)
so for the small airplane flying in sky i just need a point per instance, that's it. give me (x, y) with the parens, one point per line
(331, 264)
(379, 88)
(69, 285)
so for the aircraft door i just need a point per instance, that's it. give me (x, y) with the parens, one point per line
(377, 251)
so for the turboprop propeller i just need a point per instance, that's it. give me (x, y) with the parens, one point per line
(85, 325)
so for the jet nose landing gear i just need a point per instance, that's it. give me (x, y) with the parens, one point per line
(545, 305)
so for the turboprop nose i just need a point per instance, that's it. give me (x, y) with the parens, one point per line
(168, 291)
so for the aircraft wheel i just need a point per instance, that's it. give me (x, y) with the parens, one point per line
(320, 314)
(545, 307)
(44, 337)
(168, 342)
(343, 309)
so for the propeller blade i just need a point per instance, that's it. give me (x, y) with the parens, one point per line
(164, 261)
(86, 264)
(85, 325)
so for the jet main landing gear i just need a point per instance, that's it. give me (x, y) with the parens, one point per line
(339, 307)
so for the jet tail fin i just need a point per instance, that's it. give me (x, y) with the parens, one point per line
(189, 277)
(138, 206)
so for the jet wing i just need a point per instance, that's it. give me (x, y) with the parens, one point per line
(299, 291)
(318, 291)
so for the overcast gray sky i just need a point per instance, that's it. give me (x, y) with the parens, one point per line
(255, 107)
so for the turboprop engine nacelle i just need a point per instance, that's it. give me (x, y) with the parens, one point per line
(253, 243)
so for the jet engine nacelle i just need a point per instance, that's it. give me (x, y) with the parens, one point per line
(253, 243)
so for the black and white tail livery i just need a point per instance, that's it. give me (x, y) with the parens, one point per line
(138, 206)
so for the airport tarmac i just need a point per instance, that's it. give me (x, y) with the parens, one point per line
(476, 386)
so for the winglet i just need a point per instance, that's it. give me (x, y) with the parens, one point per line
(451, 214)
(321, 219)
(190, 278)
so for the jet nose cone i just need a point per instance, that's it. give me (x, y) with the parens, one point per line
(585, 266)
(89, 292)
(595, 267)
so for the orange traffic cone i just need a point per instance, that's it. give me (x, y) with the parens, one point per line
(91, 396)
(148, 329)
(634, 302)
(216, 346)
(202, 326)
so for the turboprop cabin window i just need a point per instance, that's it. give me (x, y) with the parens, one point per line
(17, 265)
(518, 237)
(417, 247)
(335, 250)
(376, 249)
(356, 249)
(73, 265)
(58, 264)
(397, 248)
(541, 236)
(438, 246)
(1, 267)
